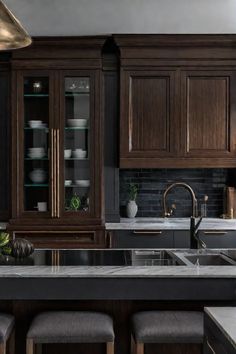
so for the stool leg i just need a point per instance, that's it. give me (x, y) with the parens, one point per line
(3, 348)
(110, 348)
(12, 343)
(29, 346)
(139, 348)
(39, 348)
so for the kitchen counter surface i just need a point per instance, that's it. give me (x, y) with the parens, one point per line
(117, 282)
(171, 224)
(225, 320)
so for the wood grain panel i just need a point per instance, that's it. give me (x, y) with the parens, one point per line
(208, 116)
(147, 116)
(149, 113)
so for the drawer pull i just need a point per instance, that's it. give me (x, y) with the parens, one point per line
(149, 232)
(215, 233)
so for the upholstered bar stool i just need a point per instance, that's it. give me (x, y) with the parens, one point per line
(166, 327)
(6, 332)
(71, 327)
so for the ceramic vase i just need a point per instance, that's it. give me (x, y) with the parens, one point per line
(131, 209)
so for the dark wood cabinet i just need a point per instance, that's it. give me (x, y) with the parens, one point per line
(5, 186)
(208, 113)
(147, 119)
(57, 149)
(177, 106)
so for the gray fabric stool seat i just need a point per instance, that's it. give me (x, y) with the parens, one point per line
(167, 327)
(71, 327)
(6, 328)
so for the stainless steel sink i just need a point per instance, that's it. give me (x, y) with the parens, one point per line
(210, 259)
(154, 258)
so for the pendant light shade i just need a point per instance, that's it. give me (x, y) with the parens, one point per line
(12, 34)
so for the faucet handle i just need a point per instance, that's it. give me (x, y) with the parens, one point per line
(171, 210)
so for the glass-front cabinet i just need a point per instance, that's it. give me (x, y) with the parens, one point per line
(58, 148)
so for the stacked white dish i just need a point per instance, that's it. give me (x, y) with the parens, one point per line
(36, 152)
(38, 175)
(67, 153)
(80, 154)
(77, 123)
(82, 183)
(35, 124)
(68, 182)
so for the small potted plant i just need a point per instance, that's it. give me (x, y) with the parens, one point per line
(5, 248)
(132, 207)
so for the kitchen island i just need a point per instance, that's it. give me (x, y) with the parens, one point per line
(120, 289)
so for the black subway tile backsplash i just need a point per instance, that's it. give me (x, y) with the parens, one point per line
(153, 182)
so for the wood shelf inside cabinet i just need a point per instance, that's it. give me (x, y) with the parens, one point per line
(74, 94)
(34, 185)
(36, 95)
(76, 128)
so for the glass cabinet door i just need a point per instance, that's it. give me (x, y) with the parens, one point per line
(77, 155)
(36, 174)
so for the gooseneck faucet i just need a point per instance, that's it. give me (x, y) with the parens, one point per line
(186, 186)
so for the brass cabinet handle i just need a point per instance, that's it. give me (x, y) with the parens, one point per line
(52, 171)
(149, 232)
(57, 173)
(215, 233)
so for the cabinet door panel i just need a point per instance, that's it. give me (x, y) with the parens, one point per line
(207, 112)
(218, 238)
(147, 112)
(143, 239)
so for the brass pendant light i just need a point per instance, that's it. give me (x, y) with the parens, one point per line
(12, 34)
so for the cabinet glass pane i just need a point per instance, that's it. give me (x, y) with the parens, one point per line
(77, 143)
(36, 144)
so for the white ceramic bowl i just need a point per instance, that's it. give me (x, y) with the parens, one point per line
(35, 124)
(68, 182)
(77, 123)
(37, 175)
(67, 153)
(82, 183)
(80, 154)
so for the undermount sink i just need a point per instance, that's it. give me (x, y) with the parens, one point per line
(210, 259)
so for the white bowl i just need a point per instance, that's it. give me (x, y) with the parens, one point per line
(80, 154)
(68, 182)
(38, 175)
(35, 124)
(67, 153)
(77, 123)
(82, 182)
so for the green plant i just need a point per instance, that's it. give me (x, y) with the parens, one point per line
(4, 243)
(132, 191)
(75, 203)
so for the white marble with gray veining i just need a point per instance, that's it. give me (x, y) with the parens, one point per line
(118, 272)
(225, 319)
(171, 224)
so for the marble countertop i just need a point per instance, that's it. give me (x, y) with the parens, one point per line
(171, 224)
(225, 319)
(117, 272)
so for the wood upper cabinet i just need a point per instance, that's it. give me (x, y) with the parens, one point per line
(178, 106)
(147, 114)
(208, 113)
(57, 150)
